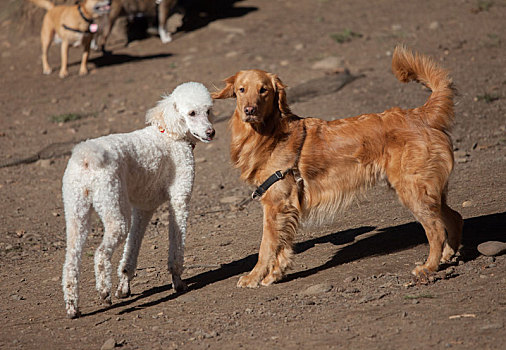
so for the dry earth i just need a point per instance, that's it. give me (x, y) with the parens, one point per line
(348, 288)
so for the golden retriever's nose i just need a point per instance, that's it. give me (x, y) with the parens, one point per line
(249, 110)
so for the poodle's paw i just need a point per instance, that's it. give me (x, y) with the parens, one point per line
(123, 290)
(105, 296)
(178, 284)
(72, 310)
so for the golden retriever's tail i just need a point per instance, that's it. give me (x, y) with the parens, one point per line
(45, 4)
(438, 110)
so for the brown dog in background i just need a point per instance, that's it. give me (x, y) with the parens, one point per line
(73, 25)
(133, 7)
(324, 165)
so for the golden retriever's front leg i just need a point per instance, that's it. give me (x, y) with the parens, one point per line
(64, 58)
(281, 221)
(267, 253)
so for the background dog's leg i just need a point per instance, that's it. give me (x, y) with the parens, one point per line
(163, 14)
(46, 38)
(115, 215)
(64, 58)
(128, 263)
(83, 70)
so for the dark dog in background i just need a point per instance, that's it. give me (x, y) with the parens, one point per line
(135, 8)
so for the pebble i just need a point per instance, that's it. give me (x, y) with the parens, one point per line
(467, 204)
(492, 248)
(329, 63)
(109, 344)
(350, 279)
(434, 25)
(317, 289)
(230, 199)
(45, 163)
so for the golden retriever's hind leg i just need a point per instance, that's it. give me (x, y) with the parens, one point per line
(83, 70)
(454, 225)
(64, 59)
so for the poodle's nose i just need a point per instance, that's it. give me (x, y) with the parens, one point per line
(210, 133)
(249, 110)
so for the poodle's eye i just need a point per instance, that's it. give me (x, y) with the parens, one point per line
(241, 89)
(262, 90)
(192, 113)
(208, 111)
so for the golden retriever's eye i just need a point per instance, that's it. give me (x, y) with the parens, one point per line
(192, 113)
(241, 89)
(262, 90)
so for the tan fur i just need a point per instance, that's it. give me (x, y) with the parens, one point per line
(55, 18)
(410, 149)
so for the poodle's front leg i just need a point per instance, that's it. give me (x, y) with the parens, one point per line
(178, 216)
(128, 263)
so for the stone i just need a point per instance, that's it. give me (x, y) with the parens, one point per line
(492, 248)
(318, 289)
(332, 63)
(109, 344)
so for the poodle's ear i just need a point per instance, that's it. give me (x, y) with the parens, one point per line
(279, 89)
(227, 91)
(154, 116)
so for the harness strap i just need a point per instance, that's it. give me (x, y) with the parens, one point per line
(278, 175)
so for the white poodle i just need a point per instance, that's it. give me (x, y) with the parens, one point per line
(126, 177)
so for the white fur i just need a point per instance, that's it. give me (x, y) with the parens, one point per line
(126, 177)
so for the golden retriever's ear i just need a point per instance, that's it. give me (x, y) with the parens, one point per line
(279, 87)
(227, 91)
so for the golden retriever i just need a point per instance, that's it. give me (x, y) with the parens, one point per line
(325, 164)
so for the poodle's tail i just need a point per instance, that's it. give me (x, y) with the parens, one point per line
(45, 4)
(437, 112)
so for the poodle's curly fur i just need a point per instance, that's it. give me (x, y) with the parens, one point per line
(125, 178)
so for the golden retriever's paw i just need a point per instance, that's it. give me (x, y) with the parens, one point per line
(247, 281)
(271, 278)
(47, 71)
(448, 253)
(423, 275)
(63, 74)
(83, 72)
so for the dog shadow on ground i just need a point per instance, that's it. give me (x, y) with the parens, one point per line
(116, 59)
(199, 13)
(385, 241)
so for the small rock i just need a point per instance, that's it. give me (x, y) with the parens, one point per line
(230, 200)
(434, 25)
(330, 63)
(109, 344)
(467, 204)
(350, 279)
(299, 46)
(200, 160)
(45, 163)
(492, 248)
(317, 289)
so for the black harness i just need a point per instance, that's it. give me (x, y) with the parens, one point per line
(91, 28)
(279, 175)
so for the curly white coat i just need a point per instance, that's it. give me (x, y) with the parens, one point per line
(126, 177)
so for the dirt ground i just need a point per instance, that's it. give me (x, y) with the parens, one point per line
(350, 284)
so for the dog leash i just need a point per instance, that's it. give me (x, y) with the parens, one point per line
(279, 175)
